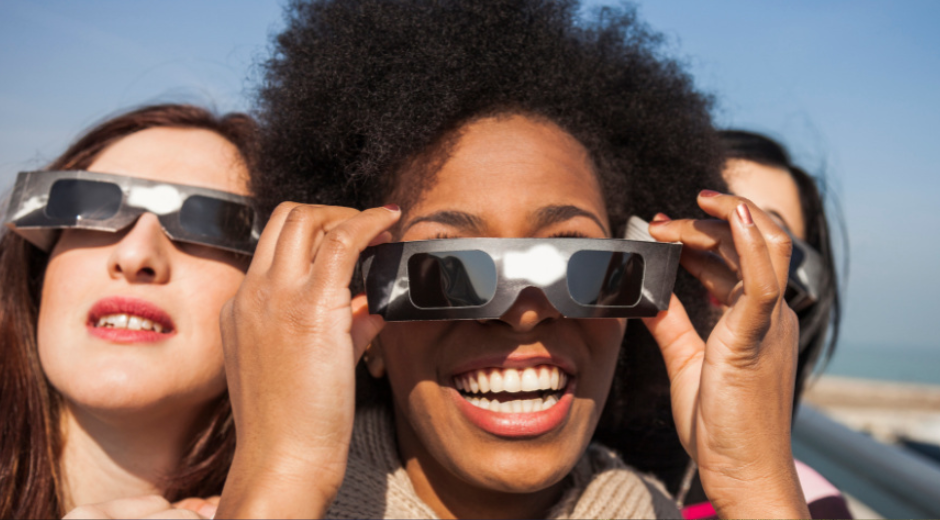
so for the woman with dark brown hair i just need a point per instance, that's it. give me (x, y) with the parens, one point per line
(112, 382)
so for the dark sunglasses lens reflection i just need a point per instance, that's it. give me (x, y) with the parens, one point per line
(605, 278)
(216, 218)
(82, 199)
(451, 279)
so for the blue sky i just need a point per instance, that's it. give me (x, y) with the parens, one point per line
(851, 86)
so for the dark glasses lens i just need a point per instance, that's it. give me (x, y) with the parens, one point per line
(605, 278)
(451, 279)
(81, 199)
(216, 218)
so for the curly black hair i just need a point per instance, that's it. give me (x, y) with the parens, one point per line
(357, 91)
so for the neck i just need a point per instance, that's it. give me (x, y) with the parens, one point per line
(451, 497)
(106, 456)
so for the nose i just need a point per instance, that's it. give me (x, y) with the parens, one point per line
(529, 310)
(143, 254)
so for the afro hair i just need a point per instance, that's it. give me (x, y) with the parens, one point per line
(358, 90)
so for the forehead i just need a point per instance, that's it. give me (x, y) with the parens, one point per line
(772, 189)
(502, 168)
(188, 156)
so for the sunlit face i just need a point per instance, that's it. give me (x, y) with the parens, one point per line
(772, 189)
(99, 287)
(506, 177)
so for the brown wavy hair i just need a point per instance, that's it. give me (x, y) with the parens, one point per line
(31, 438)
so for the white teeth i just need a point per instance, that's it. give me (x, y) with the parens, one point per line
(545, 377)
(517, 406)
(133, 323)
(511, 380)
(483, 380)
(129, 322)
(496, 382)
(512, 383)
(530, 380)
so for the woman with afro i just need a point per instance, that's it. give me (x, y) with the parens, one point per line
(438, 119)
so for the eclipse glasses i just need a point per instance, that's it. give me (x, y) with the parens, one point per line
(44, 202)
(808, 276)
(480, 278)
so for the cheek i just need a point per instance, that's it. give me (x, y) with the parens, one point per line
(67, 284)
(409, 354)
(605, 338)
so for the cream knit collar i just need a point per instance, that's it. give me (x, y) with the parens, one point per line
(377, 486)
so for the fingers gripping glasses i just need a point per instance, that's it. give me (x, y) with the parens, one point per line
(480, 278)
(45, 202)
(808, 276)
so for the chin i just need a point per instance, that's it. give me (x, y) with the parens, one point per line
(122, 392)
(515, 470)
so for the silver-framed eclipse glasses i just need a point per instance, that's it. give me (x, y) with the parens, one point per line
(480, 278)
(45, 202)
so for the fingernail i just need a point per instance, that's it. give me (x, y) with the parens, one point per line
(744, 214)
(708, 193)
(661, 217)
(392, 207)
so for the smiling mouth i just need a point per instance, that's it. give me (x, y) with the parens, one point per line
(510, 390)
(129, 322)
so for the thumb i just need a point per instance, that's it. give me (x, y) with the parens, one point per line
(677, 338)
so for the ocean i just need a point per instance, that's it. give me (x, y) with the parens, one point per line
(902, 363)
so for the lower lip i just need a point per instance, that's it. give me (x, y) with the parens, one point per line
(518, 425)
(127, 335)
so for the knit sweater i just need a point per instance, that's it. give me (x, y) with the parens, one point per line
(377, 486)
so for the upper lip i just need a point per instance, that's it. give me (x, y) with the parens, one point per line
(518, 361)
(133, 306)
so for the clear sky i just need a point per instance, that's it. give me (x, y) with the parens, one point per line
(852, 86)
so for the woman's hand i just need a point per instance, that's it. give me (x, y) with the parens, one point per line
(732, 394)
(151, 506)
(292, 337)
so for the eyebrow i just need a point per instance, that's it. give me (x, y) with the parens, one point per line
(456, 219)
(549, 215)
(544, 217)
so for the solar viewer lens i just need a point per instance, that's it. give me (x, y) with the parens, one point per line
(451, 279)
(606, 278)
(216, 218)
(83, 199)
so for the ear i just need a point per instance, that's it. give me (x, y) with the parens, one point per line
(374, 358)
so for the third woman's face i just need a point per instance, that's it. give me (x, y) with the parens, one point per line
(509, 176)
(772, 189)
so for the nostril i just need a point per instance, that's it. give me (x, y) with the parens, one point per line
(148, 271)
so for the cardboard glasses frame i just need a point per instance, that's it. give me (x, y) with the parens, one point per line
(45, 202)
(570, 272)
